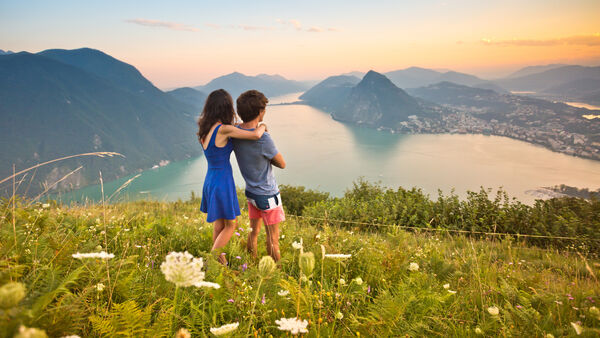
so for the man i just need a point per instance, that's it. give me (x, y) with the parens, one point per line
(255, 159)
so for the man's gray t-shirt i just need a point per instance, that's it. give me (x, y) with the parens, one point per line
(254, 160)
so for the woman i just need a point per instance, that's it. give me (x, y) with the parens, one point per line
(219, 197)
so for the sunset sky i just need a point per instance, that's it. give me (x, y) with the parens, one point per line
(179, 43)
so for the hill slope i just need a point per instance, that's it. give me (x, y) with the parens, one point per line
(53, 108)
(237, 83)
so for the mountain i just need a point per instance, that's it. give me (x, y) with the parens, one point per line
(5, 52)
(534, 70)
(377, 102)
(237, 83)
(189, 96)
(586, 90)
(355, 73)
(59, 102)
(331, 93)
(539, 82)
(414, 77)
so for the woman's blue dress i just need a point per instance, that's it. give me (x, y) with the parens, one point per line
(219, 197)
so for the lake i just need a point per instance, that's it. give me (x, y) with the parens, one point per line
(328, 155)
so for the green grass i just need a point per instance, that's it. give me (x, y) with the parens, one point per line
(537, 291)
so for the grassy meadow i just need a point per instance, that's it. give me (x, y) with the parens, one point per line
(395, 282)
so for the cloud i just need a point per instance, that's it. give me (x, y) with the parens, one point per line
(581, 40)
(212, 25)
(314, 29)
(163, 24)
(292, 22)
(253, 28)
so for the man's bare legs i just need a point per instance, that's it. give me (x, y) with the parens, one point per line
(222, 232)
(252, 243)
(273, 241)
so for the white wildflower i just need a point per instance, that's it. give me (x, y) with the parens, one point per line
(100, 255)
(578, 329)
(294, 325)
(478, 331)
(283, 293)
(100, 287)
(413, 267)
(337, 256)
(46, 205)
(342, 281)
(452, 292)
(339, 315)
(298, 245)
(317, 236)
(358, 281)
(493, 310)
(227, 328)
(204, 284)
(30, 332)
(446, 286)
(183, 269)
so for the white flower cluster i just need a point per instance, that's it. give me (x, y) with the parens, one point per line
(182, 269)
(204, 284)
(100, 255)
(493, 310)
(413, 267)
(337, 256)
(294, 325)
(298, 245)
(217, 331)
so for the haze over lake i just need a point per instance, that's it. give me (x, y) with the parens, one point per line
(328, 155)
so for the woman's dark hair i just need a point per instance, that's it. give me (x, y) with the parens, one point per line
(218, 107)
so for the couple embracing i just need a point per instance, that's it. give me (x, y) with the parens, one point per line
(255, 152)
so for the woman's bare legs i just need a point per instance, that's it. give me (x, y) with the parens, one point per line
(222, 232)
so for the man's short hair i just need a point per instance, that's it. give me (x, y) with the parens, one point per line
(250, 104)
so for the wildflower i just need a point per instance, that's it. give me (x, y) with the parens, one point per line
(451, 291)
(46, 205)
(100, 287)
(294, 325)
(11, 294)
(71, 336)
(183, 269)
(339, 315)
(183, 333)
(594, 311)
(317, 236)
(519, 307)
(549, 335)
(578, 329)
(493, 310)
(237, 233)
(204, 284)
(337, 256)
(283, 293)
(230, 300)
(413, 267)
(244, 267)
(446, 286)
(369, 289)
(227, 328)
(100, 255)
(238, 257)
(342, 281)
(266, 266)
(307, 263)
(558, 302)
(263, 300)
(30, 332)
(358, 281)
(478, 331)
(297, 245)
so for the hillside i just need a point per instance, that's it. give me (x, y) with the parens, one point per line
(550, 78)
(191, 97)
(393, 282)
(414, 77)
(60, 102)
(331, 93)
(237, 83)
(376, 101)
